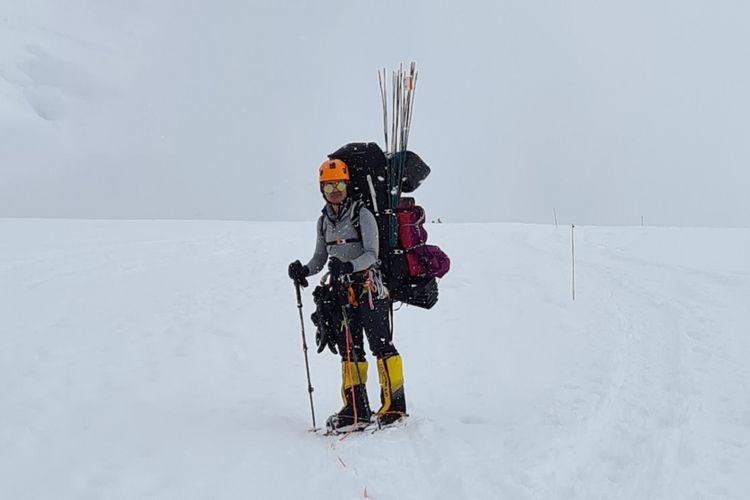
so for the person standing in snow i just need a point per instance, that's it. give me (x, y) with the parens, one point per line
(347, 237)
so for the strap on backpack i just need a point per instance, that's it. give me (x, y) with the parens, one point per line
(341, 242)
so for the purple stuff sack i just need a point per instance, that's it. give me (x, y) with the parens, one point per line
(429, 261)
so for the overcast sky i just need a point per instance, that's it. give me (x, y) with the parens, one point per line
(604, 111)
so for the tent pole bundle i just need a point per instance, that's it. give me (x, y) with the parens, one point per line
(403, 87)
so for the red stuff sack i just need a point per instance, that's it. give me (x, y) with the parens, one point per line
(411, 219)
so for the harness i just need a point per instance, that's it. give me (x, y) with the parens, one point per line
(370, 285)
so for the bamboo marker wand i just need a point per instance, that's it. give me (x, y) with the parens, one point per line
(573, 253)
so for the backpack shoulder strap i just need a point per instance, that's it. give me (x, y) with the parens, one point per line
(322, 223)
(354, 210)
(357, 207)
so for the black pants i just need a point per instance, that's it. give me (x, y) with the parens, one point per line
(373, 321)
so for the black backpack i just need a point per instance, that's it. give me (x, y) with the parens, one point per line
(410, 271)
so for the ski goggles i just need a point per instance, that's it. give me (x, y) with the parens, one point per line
(330, 188)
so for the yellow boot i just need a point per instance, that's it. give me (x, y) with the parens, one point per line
(391, 375)
(356, 412)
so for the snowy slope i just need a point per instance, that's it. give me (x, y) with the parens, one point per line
(163, 360)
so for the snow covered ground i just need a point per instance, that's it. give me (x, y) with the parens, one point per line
(162, 359)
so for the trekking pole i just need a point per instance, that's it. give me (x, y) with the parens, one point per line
(304, 349)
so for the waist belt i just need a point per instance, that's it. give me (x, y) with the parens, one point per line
(358, 277)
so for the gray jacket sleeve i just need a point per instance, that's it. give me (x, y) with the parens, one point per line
(368, 227)
(320, 256)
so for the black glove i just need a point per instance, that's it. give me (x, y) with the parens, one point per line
(298, 273)
(324, 335)
(326, 318)
(336, 267)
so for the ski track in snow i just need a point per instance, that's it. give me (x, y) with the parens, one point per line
(162, 360)
(631, 423)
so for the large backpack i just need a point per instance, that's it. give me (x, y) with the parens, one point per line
(409, 265)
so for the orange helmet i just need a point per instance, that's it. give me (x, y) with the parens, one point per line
(333, 170)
